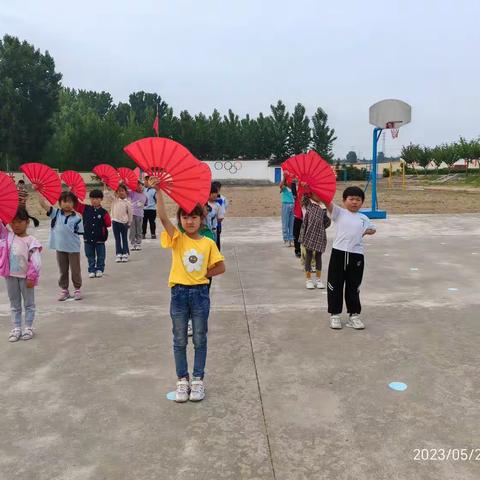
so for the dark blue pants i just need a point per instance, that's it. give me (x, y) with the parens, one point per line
(190, 301)
(120, 232)
(95, 253)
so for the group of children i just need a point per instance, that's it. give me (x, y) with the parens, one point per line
(196, 258)
(305, 218)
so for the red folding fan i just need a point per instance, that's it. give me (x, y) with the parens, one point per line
(108, 175)
(75, 182)
(312, 169)
(44, 179)
(182, 176)
(137, 172)
(128, 177)
(8, 198)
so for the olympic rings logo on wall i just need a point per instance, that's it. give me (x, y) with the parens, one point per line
(231, 167)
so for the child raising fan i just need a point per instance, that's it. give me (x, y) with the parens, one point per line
(20, 264)
(195, 259)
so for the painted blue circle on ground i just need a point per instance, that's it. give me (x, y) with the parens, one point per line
(398, 386)
(171, 396)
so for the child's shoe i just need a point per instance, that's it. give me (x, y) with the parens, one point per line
(197, 392)
(125, 258)
(309, 284)
(355, 322)
(190, 328)
(138, 247)
(63, 295)
(183, 390)
(77, 294)
(319, 284)
(335, 322)
(118, 258)
(154, 237)
(91, 275)
(99, 274)
(15, 335)
(27, 333)
(133, 247)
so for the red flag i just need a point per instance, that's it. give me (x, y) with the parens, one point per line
(155, 125)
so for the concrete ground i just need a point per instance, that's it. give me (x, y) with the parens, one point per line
(287, 398)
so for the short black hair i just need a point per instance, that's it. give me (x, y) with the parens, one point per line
(217, 184)
(21, 215)
(96, 194)
(213, 188)
(197, 211)
(146, 177)
(122, 187)
(68, 197)
(354, 192)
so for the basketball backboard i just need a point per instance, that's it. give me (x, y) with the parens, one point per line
(390, 113)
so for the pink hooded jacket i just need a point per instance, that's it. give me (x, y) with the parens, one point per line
(34, 261)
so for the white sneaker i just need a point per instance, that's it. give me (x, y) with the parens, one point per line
(118, 258)
(15, 335)
(183, 390)
(190, 328)
(138, 247)
(355, 322)
(125, 258)
(91, 275)
(197, 392)
(335, 322)
(309, 284)
(99, 274)
(319, 284)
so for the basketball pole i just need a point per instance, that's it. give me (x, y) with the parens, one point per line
(373, 212)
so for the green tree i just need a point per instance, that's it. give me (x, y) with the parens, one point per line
(217, 136)
(424, 158)
(29, 89)
(145, 106)
(86, 133)
(264, 136)
(299, 133)
(444, 154)
(280, 128)
(322, 135)
(411, 154)
(468, 151)
(351, 157)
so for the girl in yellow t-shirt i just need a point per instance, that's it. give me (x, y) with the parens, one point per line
(195, 259)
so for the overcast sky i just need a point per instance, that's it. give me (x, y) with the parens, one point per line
(342, 55)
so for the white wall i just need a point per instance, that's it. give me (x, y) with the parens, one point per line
(221, 170)
(241, 170)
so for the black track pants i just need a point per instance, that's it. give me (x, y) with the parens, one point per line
(297, 226)
(344, 269)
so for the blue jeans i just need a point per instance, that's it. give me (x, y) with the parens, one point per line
(287, 222)
(16, 289)
(120, 232)
(95, 253)
(190, 301)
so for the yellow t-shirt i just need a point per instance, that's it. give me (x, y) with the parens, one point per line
(190, 258)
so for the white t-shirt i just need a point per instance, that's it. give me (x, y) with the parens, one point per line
(350, 229)
(215, 213)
